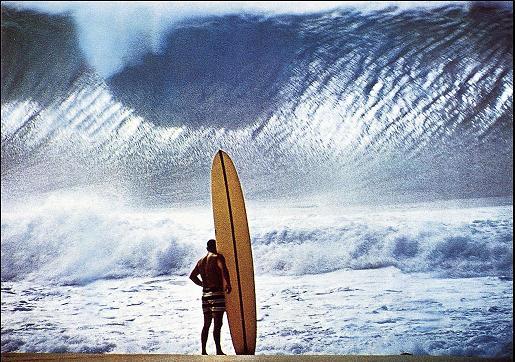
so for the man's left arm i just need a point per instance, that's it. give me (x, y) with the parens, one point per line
(194, 276)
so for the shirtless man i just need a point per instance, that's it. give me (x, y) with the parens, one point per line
(212, 271)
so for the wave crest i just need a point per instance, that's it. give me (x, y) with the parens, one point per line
(480, 248)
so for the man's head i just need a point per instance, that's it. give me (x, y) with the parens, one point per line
(211, 246)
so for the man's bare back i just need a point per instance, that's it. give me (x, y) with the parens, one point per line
(210, 270)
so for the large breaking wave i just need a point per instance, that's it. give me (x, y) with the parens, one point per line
(375, 105)
(346, 106)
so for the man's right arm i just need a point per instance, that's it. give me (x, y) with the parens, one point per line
(225, 272)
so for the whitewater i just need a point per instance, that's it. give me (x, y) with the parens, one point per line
(374, 146)
(421, 279)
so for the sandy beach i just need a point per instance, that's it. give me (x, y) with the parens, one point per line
(19, 357)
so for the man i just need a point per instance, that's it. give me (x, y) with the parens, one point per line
(213, 272)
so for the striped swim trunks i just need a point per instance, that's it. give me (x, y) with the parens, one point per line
(213, 300)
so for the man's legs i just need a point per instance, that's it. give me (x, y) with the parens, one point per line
(205, 330)
(217, 329)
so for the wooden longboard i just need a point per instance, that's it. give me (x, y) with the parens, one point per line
(233, 242)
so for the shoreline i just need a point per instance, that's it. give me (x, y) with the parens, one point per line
(20, 357)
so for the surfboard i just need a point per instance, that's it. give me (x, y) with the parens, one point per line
(233, 242)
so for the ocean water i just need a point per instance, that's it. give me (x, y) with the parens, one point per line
(374, 145)
(378, 311)
(432, 278)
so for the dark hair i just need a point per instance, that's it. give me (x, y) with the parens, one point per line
(211, 245)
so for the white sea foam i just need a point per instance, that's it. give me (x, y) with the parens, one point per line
(381, 311)
(81, 239)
